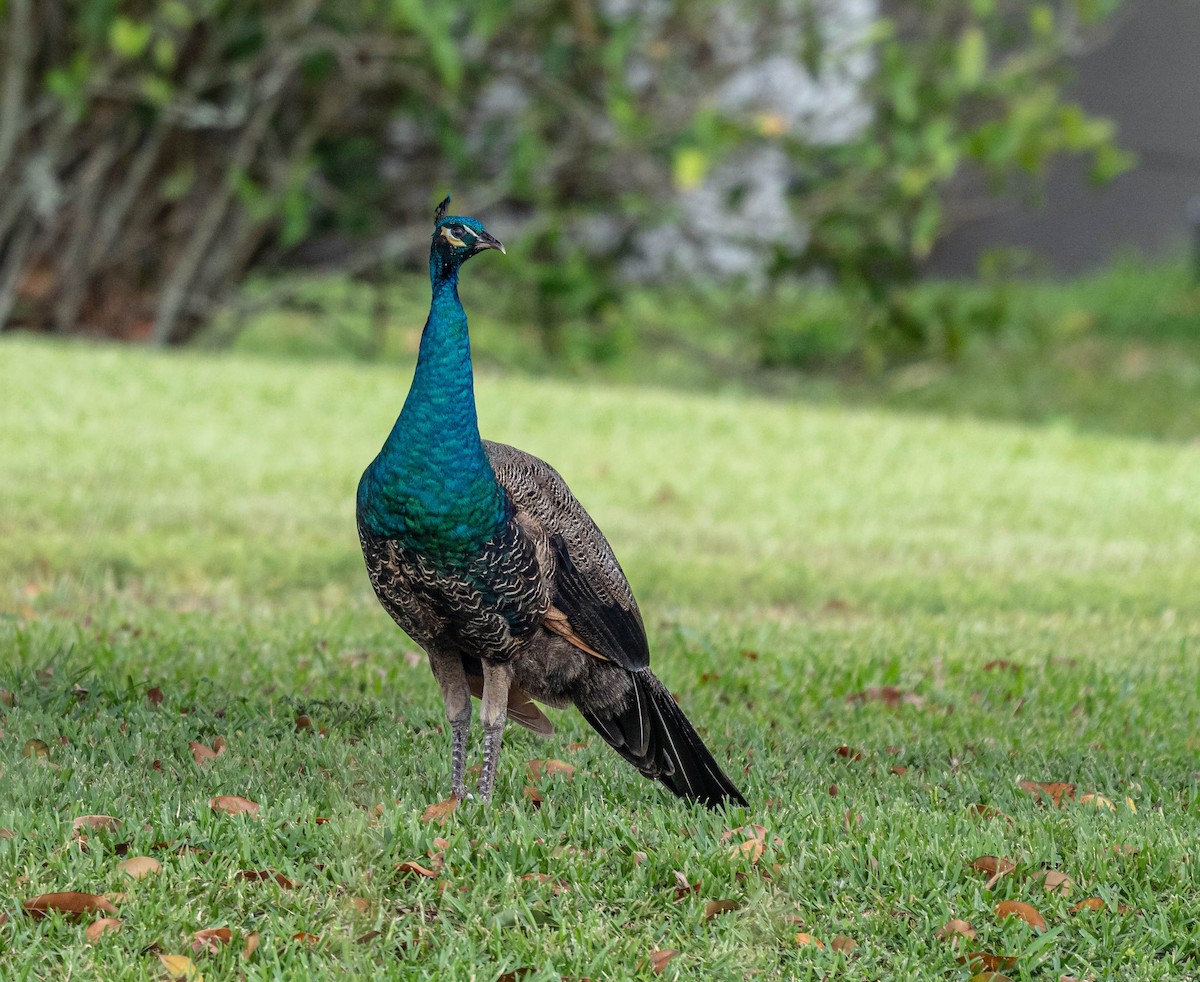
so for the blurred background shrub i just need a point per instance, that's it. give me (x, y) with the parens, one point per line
(156, 153)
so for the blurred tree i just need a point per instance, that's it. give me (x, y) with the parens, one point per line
(155, 151)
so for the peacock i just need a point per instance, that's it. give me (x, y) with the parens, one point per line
(482, 554)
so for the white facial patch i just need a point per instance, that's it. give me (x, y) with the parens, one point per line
(452, 239)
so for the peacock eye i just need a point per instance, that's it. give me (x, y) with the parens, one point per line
(459, 231)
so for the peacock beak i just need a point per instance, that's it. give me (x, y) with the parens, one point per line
(485, 240)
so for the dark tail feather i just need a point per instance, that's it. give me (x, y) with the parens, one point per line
(652, 733)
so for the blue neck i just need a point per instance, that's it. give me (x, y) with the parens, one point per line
(431, 487)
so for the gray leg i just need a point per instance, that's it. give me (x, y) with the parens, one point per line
(448, 670)
(497, 677)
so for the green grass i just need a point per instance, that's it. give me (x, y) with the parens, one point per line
(184, 521)
(1115, 352)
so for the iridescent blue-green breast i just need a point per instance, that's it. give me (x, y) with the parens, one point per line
(431, 488)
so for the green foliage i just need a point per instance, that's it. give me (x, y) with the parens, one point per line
(229, 134)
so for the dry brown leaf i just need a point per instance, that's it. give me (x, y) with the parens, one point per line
(898, 771)
(232, 804)
(70, 903)
(361, 904)
(410, 866)
(1098, 800)
(993, 865)
(847, 752)
(751, 849)
(715, 907)
(440, 811)
(804, 938)
(843, 943)
(99, 823)
(1055, 882)
(1056, 791)
(261, 875)
(98, 927)
(987, 962)
(1002, 665)
(201, 752)
(210, 939)
(1027, 913)
(953, 929)
(155, 695)
(1091, 903)
(745, 832)
(889, 695)
(139, 866)
(985, 812)
(181, 967)
(7, 833)
(251, 944)
(303, 722)
(659, 958)
(533, 795)
(35, 748)
(369, 936)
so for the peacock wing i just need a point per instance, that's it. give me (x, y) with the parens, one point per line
(592, 604)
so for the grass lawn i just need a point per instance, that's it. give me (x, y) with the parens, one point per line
(883, 623)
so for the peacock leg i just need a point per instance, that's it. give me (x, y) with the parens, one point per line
(456, 693)
(497, 677)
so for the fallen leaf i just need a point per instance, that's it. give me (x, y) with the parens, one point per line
(440, 811)
(953, 929)
(35, 748)
(533, 795)
(303, 722)
(210, 939)
(1091, 903)
(889, 695)
(139, 866)
(1056, 791)
(843, 944)
(409, 866)
(369, 936)
(715, 907)
(155, 695)
(985, 812)
(98, 927)
(251, 944)
(181, 967)
(69, 903)
(1002, 665)
(219, 745)
(683, 888)
(7, 833)
(848, 752)
(993, 865)
(804, 938)
(261, 875)
(898, 771)
(99, 823)
(1098, 800)
(1027, 913)
(305, 938)
(988, 962)
(1055, 882)
(751, 849)
(659, 958)
(232, 804)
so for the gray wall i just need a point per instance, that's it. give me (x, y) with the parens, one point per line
(1146, 77)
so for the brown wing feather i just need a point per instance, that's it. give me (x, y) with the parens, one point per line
(592, 604)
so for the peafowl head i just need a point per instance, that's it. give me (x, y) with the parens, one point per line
(455, 240)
